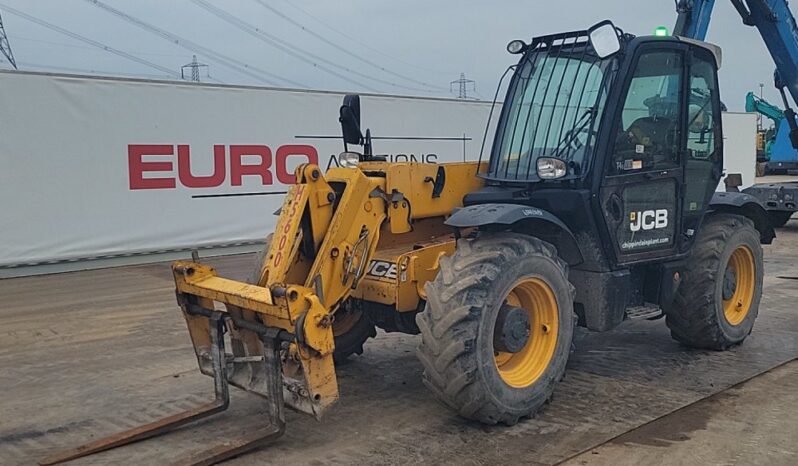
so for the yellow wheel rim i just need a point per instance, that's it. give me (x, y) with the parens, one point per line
(739, 284)
(344, 322)
(525, 367)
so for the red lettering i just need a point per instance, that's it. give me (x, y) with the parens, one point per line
(137, 166)
(283, 152)
(190, 181)
(298, 190)
(238, 169)
(258, 164)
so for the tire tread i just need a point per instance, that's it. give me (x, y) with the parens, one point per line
(692, 318)
(449, 325)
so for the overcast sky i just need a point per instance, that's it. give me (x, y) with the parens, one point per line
(401, 47)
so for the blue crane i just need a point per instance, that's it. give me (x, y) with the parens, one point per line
(765, 138)
(756, 104)
(775, 23)
(779, 154)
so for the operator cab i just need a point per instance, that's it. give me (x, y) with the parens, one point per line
(609, 147)
(617, 136)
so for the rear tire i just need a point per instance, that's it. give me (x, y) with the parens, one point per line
(351, 326)
(779, 218)
(461, 365)
(717, 301)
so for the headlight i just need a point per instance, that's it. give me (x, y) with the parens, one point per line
(348, 159)
(551, 169)
(516, 46)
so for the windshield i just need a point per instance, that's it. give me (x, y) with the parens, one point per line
(552, 105)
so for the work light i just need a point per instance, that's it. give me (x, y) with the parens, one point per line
(348, 159)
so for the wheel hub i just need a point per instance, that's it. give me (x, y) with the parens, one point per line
(512, 329)
(528, 339)
(739, 285)
(729, 283)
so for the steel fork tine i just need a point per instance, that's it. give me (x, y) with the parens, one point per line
(220, 403)
(262, 436)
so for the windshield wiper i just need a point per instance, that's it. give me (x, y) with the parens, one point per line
(584, 122)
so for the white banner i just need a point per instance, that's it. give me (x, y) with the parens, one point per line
(103, 167)
(95, 167)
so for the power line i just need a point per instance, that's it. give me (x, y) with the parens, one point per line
(94, 43)
(297, 52)
(279, 44)
(232, 63)
(76, 46)
(341, 48)
(359, 42)
(5, 46)
(29, 65)
(104, 73)
(236, 65)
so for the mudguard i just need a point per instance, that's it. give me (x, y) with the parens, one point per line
(525, 219)
(747, 206)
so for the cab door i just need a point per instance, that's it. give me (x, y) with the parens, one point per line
(642, 181)
(703, 160)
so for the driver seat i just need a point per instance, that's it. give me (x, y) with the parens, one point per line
(655, 134)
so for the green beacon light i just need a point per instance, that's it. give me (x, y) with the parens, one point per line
(661, 31)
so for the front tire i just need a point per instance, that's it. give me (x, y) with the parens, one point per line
(717, 301)
(462, 365)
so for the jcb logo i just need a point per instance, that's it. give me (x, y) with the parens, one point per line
(648, 219)
(382, 269)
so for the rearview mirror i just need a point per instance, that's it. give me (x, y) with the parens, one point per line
(350, 120)
(604, 39)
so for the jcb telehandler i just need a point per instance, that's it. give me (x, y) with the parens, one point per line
(597, 204)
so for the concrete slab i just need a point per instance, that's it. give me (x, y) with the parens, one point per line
(90, 353)
(751, 423)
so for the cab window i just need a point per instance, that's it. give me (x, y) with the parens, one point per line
(701, 120)
(704, 148)
(648, 130)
